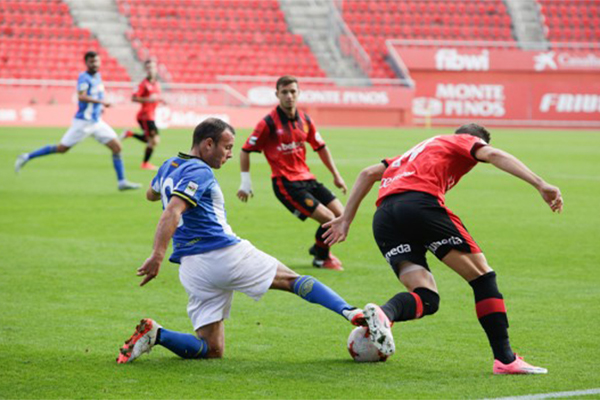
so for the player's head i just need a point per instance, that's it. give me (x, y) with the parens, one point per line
(475, 130)
(213, 141)
(287, 92)
(151, 68)
(92, 61)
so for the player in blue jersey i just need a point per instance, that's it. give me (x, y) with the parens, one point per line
(87, 121)
(214, 262)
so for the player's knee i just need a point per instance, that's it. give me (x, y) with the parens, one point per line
(429, 299)
(62, 149)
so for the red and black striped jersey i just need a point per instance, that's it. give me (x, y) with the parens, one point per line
(282, 140)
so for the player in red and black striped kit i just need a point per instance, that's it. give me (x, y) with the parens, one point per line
(148, 95)
(282, 135)
(412, 218)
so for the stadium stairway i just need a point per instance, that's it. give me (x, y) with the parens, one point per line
(528, 25)
(313, 20)
(103, 19)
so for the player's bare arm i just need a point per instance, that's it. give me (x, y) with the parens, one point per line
(164, 232)
(245, 190)
(509, 163)
(82, 96)
(337, 229)
(150, 99)
(327, 159)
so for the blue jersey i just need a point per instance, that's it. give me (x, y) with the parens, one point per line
(203, 227)
(93, 87)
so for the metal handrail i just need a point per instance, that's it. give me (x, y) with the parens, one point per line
(489, 43)
(353, 48)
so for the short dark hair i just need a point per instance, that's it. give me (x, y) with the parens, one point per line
(475, 130)
(285, 80)
(210, 128)
(89, 54)
(149, 60)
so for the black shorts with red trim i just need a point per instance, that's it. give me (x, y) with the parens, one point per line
(301, 197)
(408, 224)
(148, 126)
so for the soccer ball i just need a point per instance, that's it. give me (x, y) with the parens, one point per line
(361, 348)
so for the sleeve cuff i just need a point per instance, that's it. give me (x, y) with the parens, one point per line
(186, 198)
(384, 162)
(320, 147)
(474, 149)
(250, 151)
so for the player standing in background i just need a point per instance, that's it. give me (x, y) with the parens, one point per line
(281, 135)
(411, 217)
(87, 121)
(214, 261)
(148, 95)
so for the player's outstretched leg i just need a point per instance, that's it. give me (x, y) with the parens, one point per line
(148, 334)
(26, 157)
(380, 329)
(491, 313)
(313, 291)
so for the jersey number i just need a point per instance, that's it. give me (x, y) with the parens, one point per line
(166, 188)
(413, 153)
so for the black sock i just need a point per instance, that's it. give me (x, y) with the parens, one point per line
(141, 137)
(148, 154)
(321, 249)
(491, 313)
(406, 306)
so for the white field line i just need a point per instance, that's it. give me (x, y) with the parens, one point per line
(554, 395)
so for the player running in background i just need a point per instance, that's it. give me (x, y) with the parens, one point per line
(87, 121)
(148, 95)
(281, 135)
(214, 261)
(411, 218)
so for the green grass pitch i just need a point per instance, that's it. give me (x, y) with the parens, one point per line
(70, 244)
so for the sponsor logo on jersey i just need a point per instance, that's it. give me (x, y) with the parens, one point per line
(318, 136)
(453, 240)
(191, 189)
(289, 146)
(452, 60)
(174, 164)
(385, 182)
(400, 249)
(252, 140)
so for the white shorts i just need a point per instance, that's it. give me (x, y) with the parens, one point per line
(80, 129)
(211, 278)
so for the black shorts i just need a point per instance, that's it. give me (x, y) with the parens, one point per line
(408, 224)
(301, 197)
(148, 126)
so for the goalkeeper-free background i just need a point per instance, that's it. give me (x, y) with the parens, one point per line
(70, 244)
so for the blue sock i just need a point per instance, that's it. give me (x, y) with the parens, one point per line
(184, 345)
(314, 291)
(118, 164)
(44, 151)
